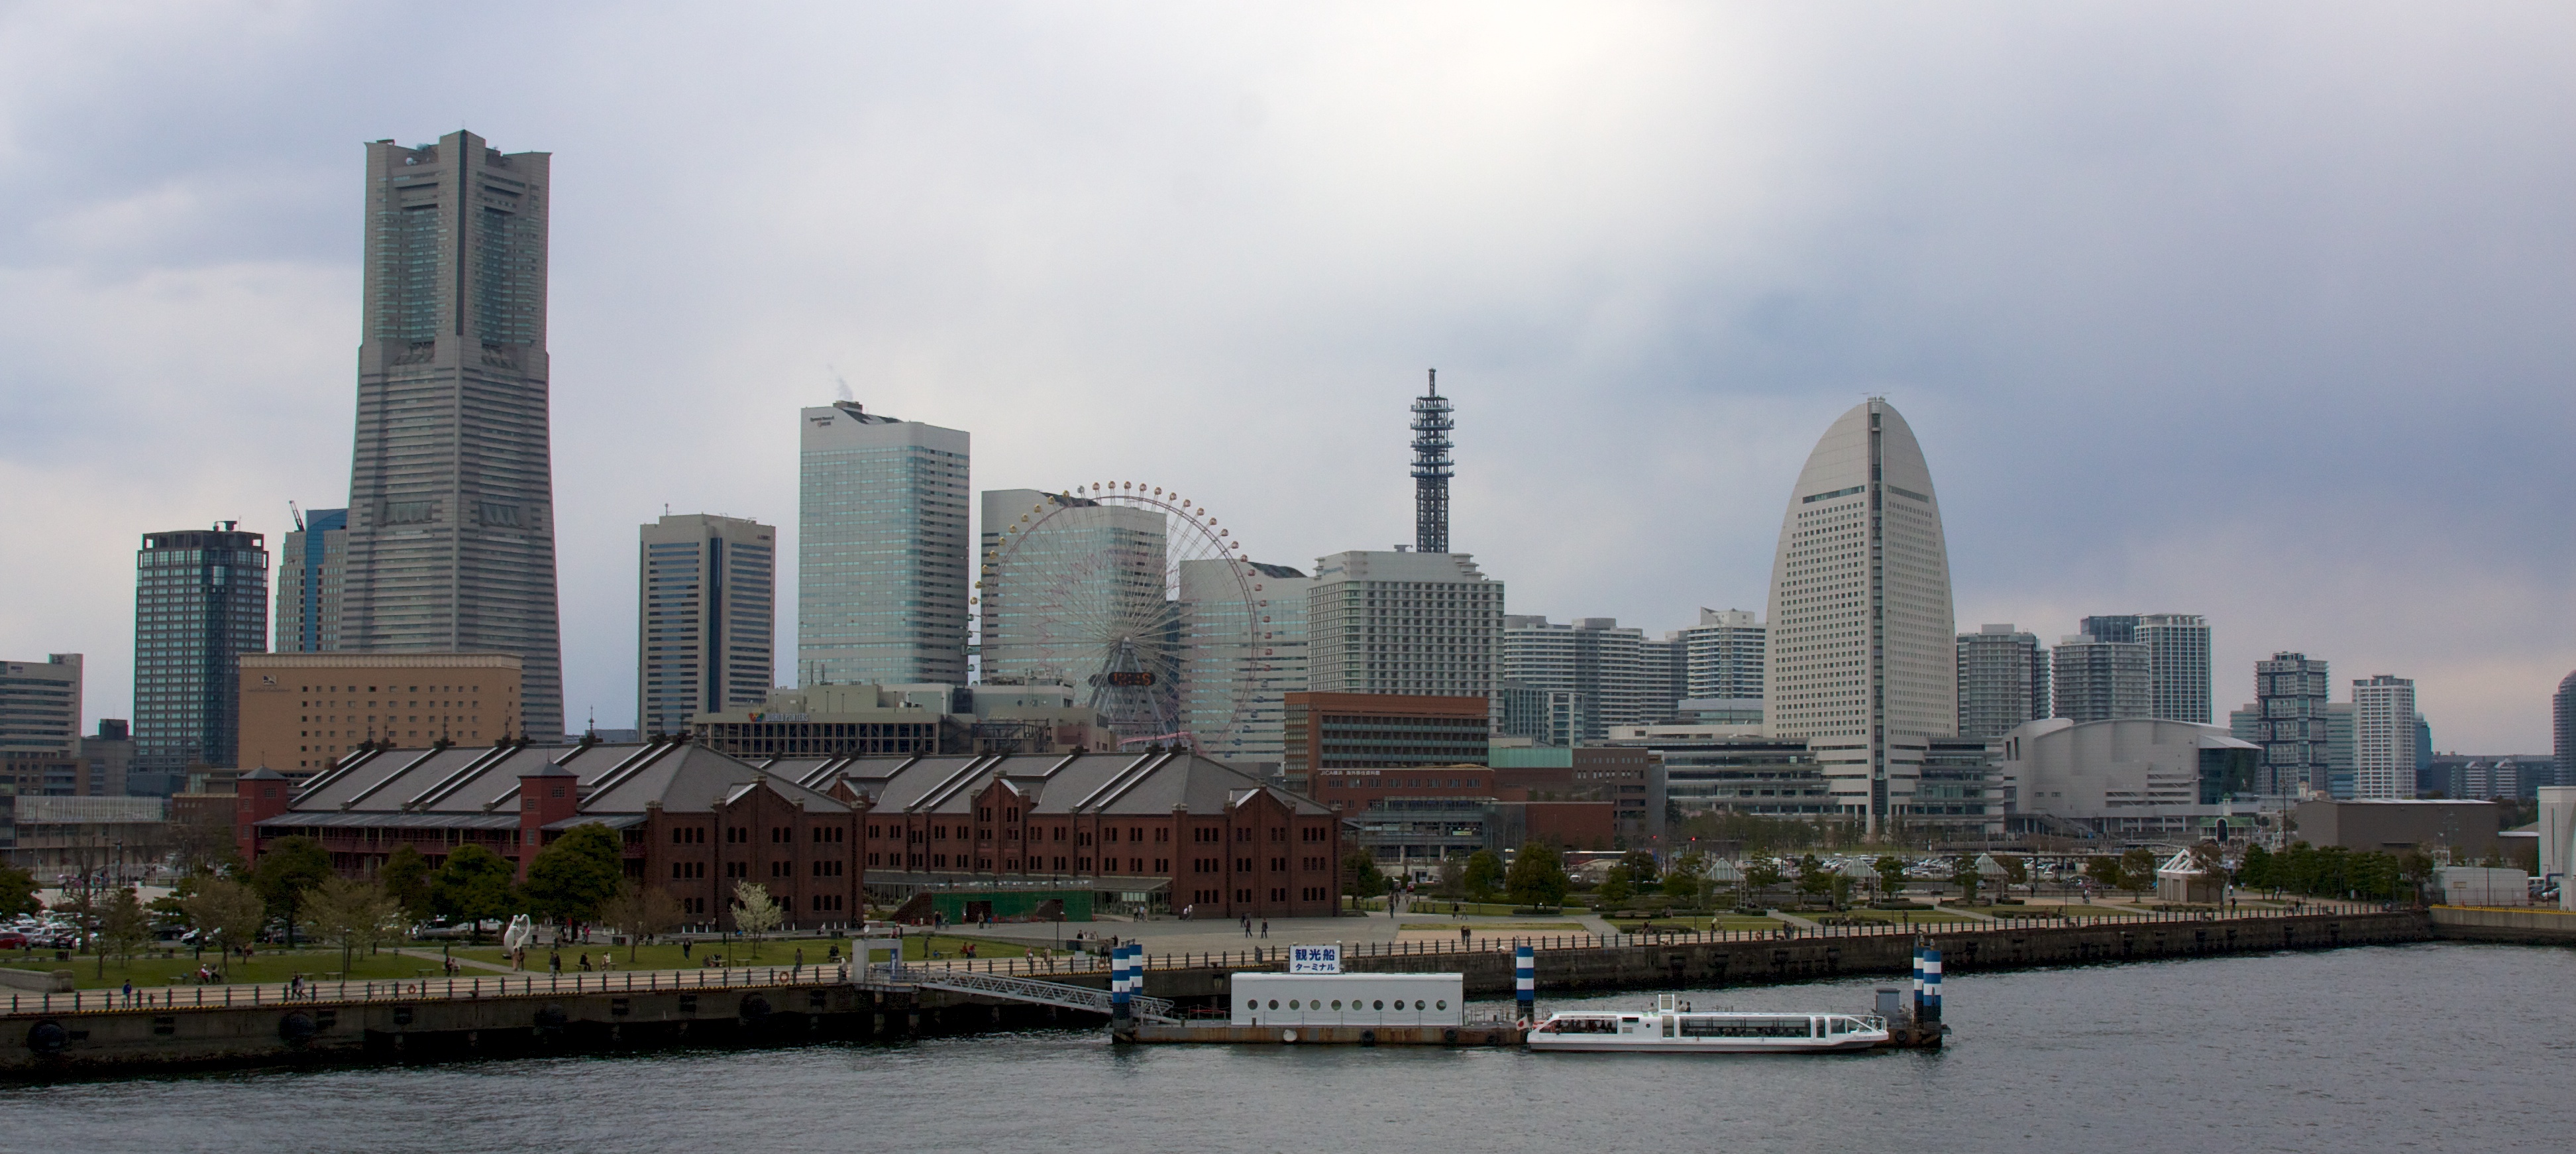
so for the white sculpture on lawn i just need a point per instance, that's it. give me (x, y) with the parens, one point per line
(516, 939)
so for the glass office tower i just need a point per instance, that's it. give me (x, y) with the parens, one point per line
(881, 550)
(200, 602)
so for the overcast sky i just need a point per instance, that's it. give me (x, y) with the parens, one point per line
(2260, 311)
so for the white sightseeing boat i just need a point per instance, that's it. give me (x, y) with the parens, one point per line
(1672, 1027)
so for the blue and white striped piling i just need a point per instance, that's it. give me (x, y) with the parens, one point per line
(1927, 1011)
(1119, 964)
(1525, 981)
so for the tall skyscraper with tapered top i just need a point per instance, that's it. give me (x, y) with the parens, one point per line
(1863, 663)
(451, 526)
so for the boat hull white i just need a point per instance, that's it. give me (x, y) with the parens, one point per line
(1605, 1044)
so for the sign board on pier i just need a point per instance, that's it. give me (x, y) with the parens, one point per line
(1315, 959)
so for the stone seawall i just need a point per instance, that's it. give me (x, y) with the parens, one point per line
(1685, 961)
(2536, 927)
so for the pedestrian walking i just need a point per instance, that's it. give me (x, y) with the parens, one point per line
(1265, 929)
(129, 991)
(1247, 926)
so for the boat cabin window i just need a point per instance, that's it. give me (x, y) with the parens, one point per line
(1585, 1026)
(1714, 1026)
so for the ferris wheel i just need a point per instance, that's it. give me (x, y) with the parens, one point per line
(1139, 598)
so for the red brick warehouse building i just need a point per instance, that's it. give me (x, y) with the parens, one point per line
(1167, 829)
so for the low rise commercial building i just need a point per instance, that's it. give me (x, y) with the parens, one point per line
(1381, 730)
(116, 840)
(2457, 831)
(873, 720)
(302, 712)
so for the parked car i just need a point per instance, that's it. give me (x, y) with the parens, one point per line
(13, 940)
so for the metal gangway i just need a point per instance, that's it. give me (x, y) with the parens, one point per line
(1039, 993)
(893, 974)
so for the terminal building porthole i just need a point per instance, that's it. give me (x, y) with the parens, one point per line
(1292, 1003)
(1442, 1003)
(1274, 1003)
(1337, 1003)
(1379, 1005)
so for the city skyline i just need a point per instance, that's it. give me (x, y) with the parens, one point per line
(199, 302)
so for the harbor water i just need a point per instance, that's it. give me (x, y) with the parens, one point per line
(2438, 1046)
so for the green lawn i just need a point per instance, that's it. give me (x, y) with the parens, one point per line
(2075, 910)
(1427, 907)
(1899, 917)
(1483, 928)
(774, 952)
(265, 966)
(1697, 923)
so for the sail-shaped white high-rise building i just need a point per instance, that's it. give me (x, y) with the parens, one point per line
(1863, 661)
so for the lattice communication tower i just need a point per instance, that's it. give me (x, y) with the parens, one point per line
(1431, 469)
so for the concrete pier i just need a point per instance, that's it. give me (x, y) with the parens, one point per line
(93, 1033)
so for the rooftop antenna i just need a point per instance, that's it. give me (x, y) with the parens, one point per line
(1431, 469)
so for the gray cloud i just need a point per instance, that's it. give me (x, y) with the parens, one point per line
(2259, 312)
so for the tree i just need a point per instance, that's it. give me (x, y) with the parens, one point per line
(1963, 871)
(1891, 875)
(1814, 880)
(755, 912)
(405, 876)
(639, 912)
(350, 914)
(17, 892)
(2138, 870)
(1537, 876)
(2255, 873)
(1641, 867)
(473, 884)
(292, 866)
(2414, 870)
(2104, 870)
(1484, 874)
(1615, 890)
(1360, 876)
(227, 911)
(1760, 874)
(201, 837)
(123, 927)
(578, 871)
(1683, 886)
(1453, 880)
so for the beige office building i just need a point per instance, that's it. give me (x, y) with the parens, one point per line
(302, 711)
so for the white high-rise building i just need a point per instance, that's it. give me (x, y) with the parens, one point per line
(1398, 622)
(2383, 738)
(40, 704)
(1077, 572)
(881, 546)
(706, 619)
(1234, 692)
(2003, 680)
(2098, 680)
(1723, 654)
(1863, 657)
(1616, 676)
